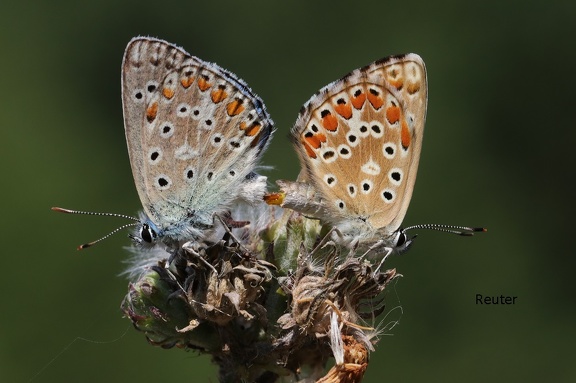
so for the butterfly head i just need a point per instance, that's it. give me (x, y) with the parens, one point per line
(402, 242)
(146, 234)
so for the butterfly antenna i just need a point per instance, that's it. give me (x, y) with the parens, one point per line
(106, 236)
(452, 229)
(69, 211)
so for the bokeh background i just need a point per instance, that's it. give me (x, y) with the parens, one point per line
(498, 152)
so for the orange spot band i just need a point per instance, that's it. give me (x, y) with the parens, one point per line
(252, 130)
(344, 110)
(203, 84)
(397, 83)
(234, 108)
(375, 100)
(413, 87)
(393, 114)
(358, 101)
(329, 122)
(405, 135)
(218, 95)
(309, 150)
(168, 93)
(186, 82)
(314, 141)
(152, 112)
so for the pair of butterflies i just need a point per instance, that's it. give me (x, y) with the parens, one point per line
(195, 132)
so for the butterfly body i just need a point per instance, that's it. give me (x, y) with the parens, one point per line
(359, 141)
(195, 133)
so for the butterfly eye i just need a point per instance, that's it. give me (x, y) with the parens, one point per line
(401, 239)
(403, 243)
(148, 234)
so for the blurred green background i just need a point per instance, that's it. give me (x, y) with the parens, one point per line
(498, 152)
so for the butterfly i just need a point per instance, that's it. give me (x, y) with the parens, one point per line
(194, 132)
(359, 140)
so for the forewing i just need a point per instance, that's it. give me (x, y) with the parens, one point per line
(359, 141)
(194, 131)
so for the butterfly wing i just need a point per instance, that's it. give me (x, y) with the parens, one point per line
(194, 132)
(359, 141)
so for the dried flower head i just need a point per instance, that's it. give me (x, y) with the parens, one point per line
(272, 297)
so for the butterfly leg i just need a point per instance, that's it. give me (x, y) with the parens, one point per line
(379, 249)
(191, 248)
(229, 223)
